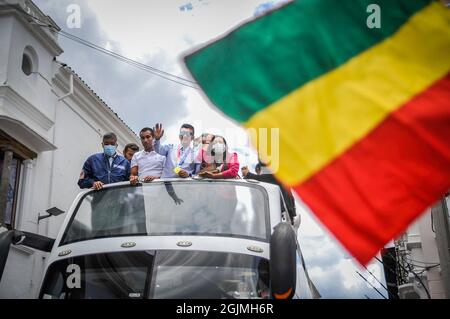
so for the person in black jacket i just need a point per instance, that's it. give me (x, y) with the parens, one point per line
(267, 176)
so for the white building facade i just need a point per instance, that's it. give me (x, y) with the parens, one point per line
(50, 122)
(422, 253)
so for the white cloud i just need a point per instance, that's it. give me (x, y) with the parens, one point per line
(349, 275)
(165, 25)
(330, 267)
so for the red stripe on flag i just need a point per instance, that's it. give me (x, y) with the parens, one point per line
(371, 193)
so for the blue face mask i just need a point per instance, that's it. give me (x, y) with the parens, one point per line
(109, 150)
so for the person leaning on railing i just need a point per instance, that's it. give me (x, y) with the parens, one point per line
(217, 154)
(106, 167)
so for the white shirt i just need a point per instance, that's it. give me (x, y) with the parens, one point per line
(148, 163)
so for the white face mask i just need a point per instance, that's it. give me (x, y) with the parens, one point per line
(219, 148)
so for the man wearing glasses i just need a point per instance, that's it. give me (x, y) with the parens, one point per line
(180, 160)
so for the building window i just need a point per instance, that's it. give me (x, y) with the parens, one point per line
(12, 155)
(11, 189)
(30, 61)
(27, 65)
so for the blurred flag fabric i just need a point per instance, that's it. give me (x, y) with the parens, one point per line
(363, 113)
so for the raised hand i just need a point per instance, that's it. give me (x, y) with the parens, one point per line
(183, 174)
(134, 179)
(158, 131)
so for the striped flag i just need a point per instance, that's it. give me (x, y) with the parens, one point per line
(363, 111)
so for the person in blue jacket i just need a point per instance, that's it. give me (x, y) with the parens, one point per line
(105, 168)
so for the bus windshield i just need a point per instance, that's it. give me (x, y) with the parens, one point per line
(158, 274)
(183, 208)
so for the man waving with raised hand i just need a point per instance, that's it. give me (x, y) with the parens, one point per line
(180, 159)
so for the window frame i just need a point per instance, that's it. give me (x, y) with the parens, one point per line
(267, 214)
(17, 184)
(27, 61)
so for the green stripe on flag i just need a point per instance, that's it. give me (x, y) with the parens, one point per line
(264, 60)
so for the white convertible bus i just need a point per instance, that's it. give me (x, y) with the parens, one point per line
(176, 238)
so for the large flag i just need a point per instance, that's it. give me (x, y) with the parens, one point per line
(360, 91)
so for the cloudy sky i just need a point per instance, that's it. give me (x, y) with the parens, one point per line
(158, 33)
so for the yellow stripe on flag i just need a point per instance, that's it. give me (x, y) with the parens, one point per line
(323, 118)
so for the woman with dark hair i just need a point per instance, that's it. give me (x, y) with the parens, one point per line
(226, 163)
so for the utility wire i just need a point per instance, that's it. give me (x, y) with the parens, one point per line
(408, 271)
(422, 262)
(390, 269)
(64, 33)
(370, 284)
(419, 279)
(121, 58)
(422, 266)
(375, 277)
(139, 65)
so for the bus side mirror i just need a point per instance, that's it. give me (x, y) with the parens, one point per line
(6, 239)
(17, 237)
(283, 261)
